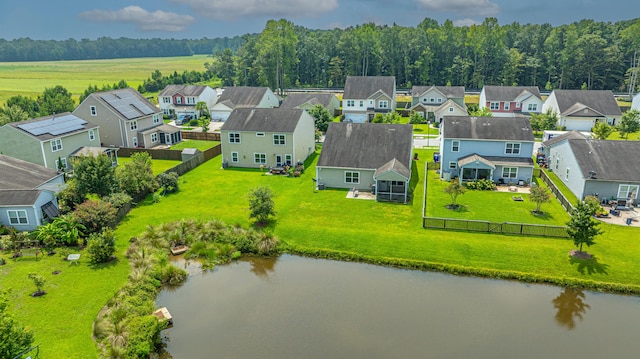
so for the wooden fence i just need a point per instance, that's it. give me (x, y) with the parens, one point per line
(158, 154)
(201, 136)
(196, 160)
(556, 192)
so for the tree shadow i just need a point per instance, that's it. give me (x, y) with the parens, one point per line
(546, 216)
(589, 266)
(460, 208)
(104, 265)
(262, 267)
(570, 306)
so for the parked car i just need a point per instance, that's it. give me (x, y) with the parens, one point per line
(183, 119)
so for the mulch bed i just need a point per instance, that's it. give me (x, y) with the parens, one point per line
(580, 255)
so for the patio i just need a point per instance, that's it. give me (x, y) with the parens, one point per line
(514, 189)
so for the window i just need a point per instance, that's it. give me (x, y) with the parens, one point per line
(154, 137)
(351, 103)
(566, 175)
(517, 104)
(450, 109)
(156, 118)
(93, 111)
(260, 158)
(361, 103)
(18, 217)
(279, 140)
(191, 100)
(288, 160)
(455, 146)
(234, 156)
(432, 100)
(533, 107)
(178, 100)
(510, 172)
(135, 141)
(166, 99)
(234, 137)
(383, 104)
(133, 125)
(62, 160)
(494, 106)
(628, 191)
(506, 105)
(92, 135)
(56, 145)
(512, 148)
(439, 99)
(453, 165)
(259, 134)
(351, 177)
(557, 162)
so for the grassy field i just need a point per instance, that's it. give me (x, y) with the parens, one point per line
(31, 78)
(158, 166)
(199, 144)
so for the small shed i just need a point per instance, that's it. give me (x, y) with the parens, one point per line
(189, 153)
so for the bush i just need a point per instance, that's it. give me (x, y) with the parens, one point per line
(101, 247)
(194, 123)
(168, 182)
(144, 336)
(481, 185)
(95, 215)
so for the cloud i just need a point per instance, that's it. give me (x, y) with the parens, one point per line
(465, 22)
(462, 7)
(230, 9)
(143, 19)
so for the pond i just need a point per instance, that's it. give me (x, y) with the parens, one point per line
(296, 307)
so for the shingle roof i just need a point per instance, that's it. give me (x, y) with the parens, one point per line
(487, 128)
(296, 99)
(242, 96)
(610, 160)
(127, 102)
(263, 120)
(20, 197)
(362, 87)
(366, 145)
(568, 135)
(53, 126)
(448, 91)
(393, 165)
(19, 174)
(601, 101)
(185, 90)
(509, 93)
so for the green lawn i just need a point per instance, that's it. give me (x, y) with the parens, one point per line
(425, 129)
(562, 187)
(199, 144)
(158, 166)
(632, 136)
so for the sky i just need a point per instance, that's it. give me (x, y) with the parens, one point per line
(195, 19)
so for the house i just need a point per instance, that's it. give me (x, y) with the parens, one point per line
(435, 102)
(110, 152)
(510, 101)
(48, 141)
(635, 102)
(365, 96)
(607, 169)
(242, 97)
(181, 100)
(267, 137)
(27, 193)
(308, 100)
(581, 109)
(127, 119)
(367, 157)
(492, 148)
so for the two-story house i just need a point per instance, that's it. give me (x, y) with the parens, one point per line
(510, 101)
(435, 102)
(267, 137)
(181, 100)
(242, 97)
(127, 119)
(308, 100)
(492, 148)
(365, 96)
(48, 141)
(581, 109)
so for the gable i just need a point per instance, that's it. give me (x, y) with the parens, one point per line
(263, 120)
(600, 101)
(364, 87)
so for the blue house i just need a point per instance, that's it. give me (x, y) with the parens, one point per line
(493, 148)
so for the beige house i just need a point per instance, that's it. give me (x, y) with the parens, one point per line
(582, 109)
(127, 119)
(308, 100)
(48, 141)
(242, 97)
(435, 102)
(267, 137)
(366, 96)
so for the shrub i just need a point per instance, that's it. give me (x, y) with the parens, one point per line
(95, 215)
(481, 185)
(168, 182)
(101, 247)
(144, 336)
(172, 275)
(194, 123)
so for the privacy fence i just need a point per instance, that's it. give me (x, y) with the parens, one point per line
(175, 155)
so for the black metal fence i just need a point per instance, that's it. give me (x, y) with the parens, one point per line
(494, 227)
(556, 192)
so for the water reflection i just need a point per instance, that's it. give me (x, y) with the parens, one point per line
(570, 306)
(262, 267)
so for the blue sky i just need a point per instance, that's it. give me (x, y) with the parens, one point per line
(63, 19)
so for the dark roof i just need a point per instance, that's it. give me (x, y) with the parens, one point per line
(19, 174)
(449, 91)
(601, 101)
(610, 160)
(242, 96)
(509, 93)
(263, 120)
(362, 87)
(19, 197)
(127, 102)
(487, 128)
(296, 99)
(393, 165)
(366, 145)
(161, 128)
(54, 126)
(184, 90)
(573, 134)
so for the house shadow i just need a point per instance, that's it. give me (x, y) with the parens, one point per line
(589, 266)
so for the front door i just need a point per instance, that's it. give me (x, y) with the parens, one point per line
(278, 160)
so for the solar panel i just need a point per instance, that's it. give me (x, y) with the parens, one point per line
(56, 125)
(128, 104)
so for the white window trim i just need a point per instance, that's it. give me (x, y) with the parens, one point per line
(452, 145)
(566, 174)
(509, 173)
(133, 125)
(513, 146)
(288, 158)
(629, 189)
(351, 103)
(259, 134)
(92, 135)
(255, 158)
(55, 143)
(532, 107)
(494, 106)
(280, 138)
(156, 118)
(453, 165)
(351, 173)
(233, 139)
(134, 140)
(154, 137)
(18, 217)
(383, 104)
(234, 157)
(507, 105)
(64, 163)
(93, 110)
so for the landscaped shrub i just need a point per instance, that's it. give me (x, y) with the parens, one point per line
(481, 185)
(95, 215)
(194, 123)
(168, 182)
(173, 275)
(144, 336)
(102, 246)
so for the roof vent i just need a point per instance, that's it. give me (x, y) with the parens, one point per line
(592, 174)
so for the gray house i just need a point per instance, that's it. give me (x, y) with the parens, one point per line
(608, 169)
(493, 148)
(366, 156)
(366, 96)
(582, 109)
(242, 97)
(307, 101)
(27, 193)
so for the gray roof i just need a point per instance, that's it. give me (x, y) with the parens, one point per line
(92, 151)
(127, 102)
(487, 128)
(601, 101)
(296, 99)
(242, 96)
(610, 160)
(184, 90)
(570, 135)
(20, 197)
(19, 174)
(54, 126)
(363, 87)
(448, 91)
(161, 128)
(366, 145)
(263, 120)
(509, 93)
(393, 165)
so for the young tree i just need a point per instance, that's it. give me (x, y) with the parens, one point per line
(14, 339)
(602, 130)
(454, 189)
(539, 195)
(95, 215)
(38, 281)
(322, 116)
(629, 123)
(136, 176)
(261, 204)
(102, 246)
(204, 123)
(582, 227)
(544, 121)
(201, 107)
(95, 174)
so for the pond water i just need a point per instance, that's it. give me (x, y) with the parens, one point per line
(296, 307)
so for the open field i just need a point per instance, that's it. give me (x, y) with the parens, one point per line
(31, 78)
